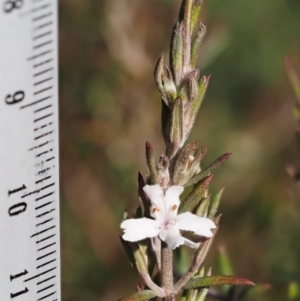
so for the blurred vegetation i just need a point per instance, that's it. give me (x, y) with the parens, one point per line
(109, 107)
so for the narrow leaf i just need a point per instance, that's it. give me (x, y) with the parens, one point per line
(202, 294)
(196, 104)
(197, 194)
(197, 43)
(140, 296)
(151, 163)
(128, 251)
(215, 204)
(176, 130)
(203, 207)
(200, 282)
(202, 252)
(224, 266)
(158, 73)
(142, 195)
(187, 31)
(224, 263)
(177, 53)
(165, 121)
(208, 170)
(195, 13)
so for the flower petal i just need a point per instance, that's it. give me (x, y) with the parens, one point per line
(172, 200)
(172, 237)
(191, 222)
(156, 196)
(139, 229)
(190, 243)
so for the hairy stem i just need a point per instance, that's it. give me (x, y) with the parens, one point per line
(167, 272)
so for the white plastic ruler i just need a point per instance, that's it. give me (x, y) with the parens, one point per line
(29, 182)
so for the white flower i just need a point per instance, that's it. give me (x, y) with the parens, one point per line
(166, 223)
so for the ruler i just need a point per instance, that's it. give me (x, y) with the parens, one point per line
(29, 181)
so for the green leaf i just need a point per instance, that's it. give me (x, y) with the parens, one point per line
(208, 170)
(195, 13)
(224, 266)
(151, 163)
(177, 52)
(197, 43)
(197, 194)
(128, 251)
(202, 294)
(158, 74)
(143, 197)
(201, 282)
(204, 248)
(176, 128)
(224, 263)
(215, 204)
(196, 104)
(203, 207)
(139, 296)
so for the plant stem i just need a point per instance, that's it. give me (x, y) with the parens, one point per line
(167, 272)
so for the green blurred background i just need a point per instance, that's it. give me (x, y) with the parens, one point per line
(109, 107)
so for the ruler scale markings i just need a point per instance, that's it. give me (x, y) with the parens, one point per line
(43, 108)
(39, 8)
(43, 231)
(43, 171)
(40, 54)
(51, 294)
(31, 50)
(41, 145)
(42, 44)
(42, 180)
(40, 274)
(46, 238)
(46, 255)
(44, 196)
(45, 280)
(43, 25)
(37, 190)
(43, 135)
(43, 289)
(42, 72)
(36, 102)
(43, 205)
(44, 153)
(41, 118)
(45, 213)
(46, 263)
(43, 90)
(42, 81)
(42, 126)
(42, 63)
(48, 246)
(52, 158)
(45, 222)
(42, 35)
(41, 17)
